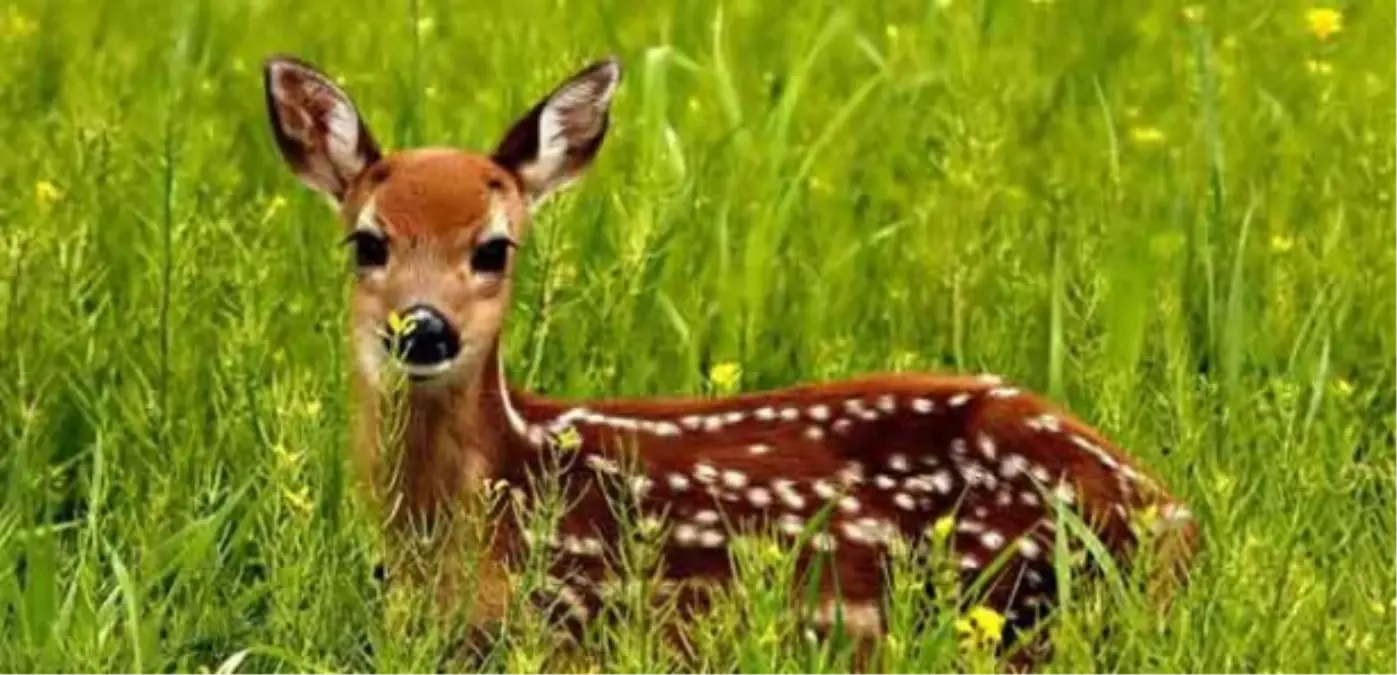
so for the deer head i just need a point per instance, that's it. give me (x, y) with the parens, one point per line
(432, 230)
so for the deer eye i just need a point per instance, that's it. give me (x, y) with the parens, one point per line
(370, 249)
(490, 256)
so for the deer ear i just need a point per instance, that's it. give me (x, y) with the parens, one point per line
(316, 126)
(560, 136)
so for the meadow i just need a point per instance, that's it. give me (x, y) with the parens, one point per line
(1174, 219)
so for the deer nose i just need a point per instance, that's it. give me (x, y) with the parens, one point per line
(421, 336)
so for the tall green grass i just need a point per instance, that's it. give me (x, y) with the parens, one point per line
(1181, 229)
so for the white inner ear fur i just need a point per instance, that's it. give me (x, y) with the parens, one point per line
(554, 137)
(341, 143)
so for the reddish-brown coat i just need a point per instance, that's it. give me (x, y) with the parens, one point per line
(889, 455)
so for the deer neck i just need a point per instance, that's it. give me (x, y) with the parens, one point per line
(438, 445)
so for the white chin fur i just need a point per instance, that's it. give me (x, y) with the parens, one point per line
(428, 373)
(373, 360)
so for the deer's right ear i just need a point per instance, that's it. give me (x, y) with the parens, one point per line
(316, 126)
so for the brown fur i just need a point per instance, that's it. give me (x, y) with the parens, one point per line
(925, 446)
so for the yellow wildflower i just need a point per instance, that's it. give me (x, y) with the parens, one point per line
(980, 627)
(725, 376)
(1193, 13)
(1343, 386)
(1282, 243)
(568, 439)
(1319, 67)
(46, 193)
(1324, 22)
(399, 325)
(1146, 135)
(16, 25)
(300, 499)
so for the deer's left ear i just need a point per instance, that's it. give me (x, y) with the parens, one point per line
(318, 130)
(558, 139)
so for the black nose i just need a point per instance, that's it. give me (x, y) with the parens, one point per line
(426, 338)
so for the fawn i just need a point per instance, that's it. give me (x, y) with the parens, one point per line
(877, 459)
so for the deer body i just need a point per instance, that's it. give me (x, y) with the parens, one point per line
(839, 471)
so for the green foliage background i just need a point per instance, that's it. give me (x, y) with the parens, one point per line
(1181, 229)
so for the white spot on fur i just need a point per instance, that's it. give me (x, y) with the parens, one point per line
(791, 524)
(898, 462)
(1012, 465)
(822, 541)
(705, 473)
(759, 448)
(942, 481)
(905, 501)
(765, 414)
(686, 534)
(958, 400)
(968, 526)
(848, 504)
(760, 497)
(1040, 473)
(917, 484)
(841, 426)
(814, 433)
(1065, 493)
(1003, 392)
(734, 479)
(861, 619)
(691, 422)
(991, 540)
(958, 446)
(887, 403)
(711, 539)
(987, 446)
(713, 423)
(1030, 498)
(789, 414)
(819, 413)
(1028, 548)
(922, 406)
(851, 474)
(602, 464)
(786, 492)
(707, 517)
(884, 482)
(678, 482)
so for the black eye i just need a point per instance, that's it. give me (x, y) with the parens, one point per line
(370, 249)
(490, 256)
